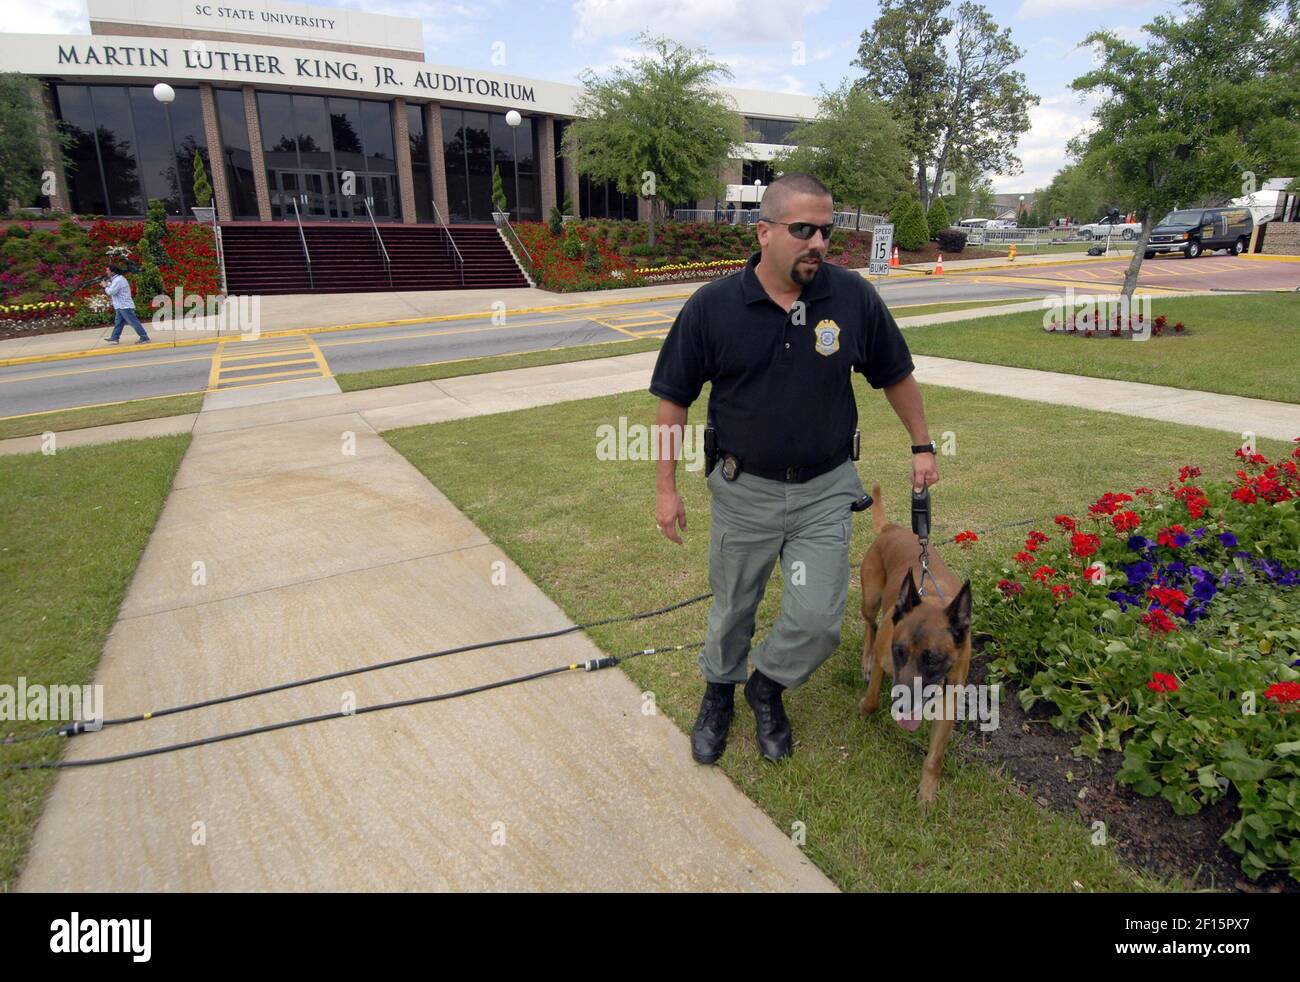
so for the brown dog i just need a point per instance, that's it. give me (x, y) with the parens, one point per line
(924, 641)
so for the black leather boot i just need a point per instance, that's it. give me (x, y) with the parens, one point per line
(709, 738)
(775, 740)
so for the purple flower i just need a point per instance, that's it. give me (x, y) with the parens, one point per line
(1125, 600)
(1181, 539)
(1138, 573)
(1199, 532)
(1228, 539)
(1139, 542)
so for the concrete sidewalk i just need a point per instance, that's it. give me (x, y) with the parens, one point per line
(314, 560)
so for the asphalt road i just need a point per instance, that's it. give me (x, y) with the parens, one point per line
(157, 372)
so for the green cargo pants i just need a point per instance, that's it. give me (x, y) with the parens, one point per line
(756, 522)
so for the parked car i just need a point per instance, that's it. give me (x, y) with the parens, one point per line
(1196, 230)
(1113, 226)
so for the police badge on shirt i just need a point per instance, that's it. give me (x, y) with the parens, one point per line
(826, 337)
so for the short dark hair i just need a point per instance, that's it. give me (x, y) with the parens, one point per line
(785, 186)
(114, 268)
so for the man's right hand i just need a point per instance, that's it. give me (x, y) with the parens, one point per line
(670, 514)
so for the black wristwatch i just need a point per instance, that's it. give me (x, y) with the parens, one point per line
(923, 447)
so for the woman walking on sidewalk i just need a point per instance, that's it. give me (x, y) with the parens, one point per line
(119, 291)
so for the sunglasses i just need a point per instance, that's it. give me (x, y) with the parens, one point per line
(803, 230)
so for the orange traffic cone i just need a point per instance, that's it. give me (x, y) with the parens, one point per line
(893, 260)
(938, 267)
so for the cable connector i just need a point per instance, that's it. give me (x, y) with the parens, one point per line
(80, 726)
(595, 664)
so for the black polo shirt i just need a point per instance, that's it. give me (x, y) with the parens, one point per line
(782, 394)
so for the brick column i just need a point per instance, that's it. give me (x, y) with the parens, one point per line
(216, 153)
(437, 159)
(546, 163)
(51, 158)
(258, 159)
(405, 178)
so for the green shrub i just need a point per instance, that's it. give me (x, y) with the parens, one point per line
(556, 222)
(572, 244)
(498, 190)
(937, 220)
(593, 262)
(202, 186)
(155, 230)
(911, 232)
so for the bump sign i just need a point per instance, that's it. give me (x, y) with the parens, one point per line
(882, 240)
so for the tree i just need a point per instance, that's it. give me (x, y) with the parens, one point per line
(659, 128)
(853, 146)
(950, 84)
(1080, 189)
(155, 230)
(22, 132)
(911, 231)
(937, 219)
(498, 190)
(1210, 102)
(202, 186)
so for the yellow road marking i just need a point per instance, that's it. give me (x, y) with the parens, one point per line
(320, 359)
(309, 360)
(249, 378)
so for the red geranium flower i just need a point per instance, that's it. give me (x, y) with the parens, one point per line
(1160, 682)
(1084, 544)
(1010, 589)
(1066, 522)
(1283, 692)
(1043, 574)
(1167, 536)
(1126, 521)
(1175, 600)
(1158, 622)
(1024, 558)
(1062, 592)
(964, 539)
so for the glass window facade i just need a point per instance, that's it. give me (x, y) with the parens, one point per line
(328, 154)
(604, 200)
(474, 143)
(758, 130)
(127, 148)
(236, 153)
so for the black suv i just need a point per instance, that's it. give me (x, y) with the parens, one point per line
(1196, 230)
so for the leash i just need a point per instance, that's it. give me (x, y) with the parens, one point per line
(921, 526)
(591, 665)
(92, 726)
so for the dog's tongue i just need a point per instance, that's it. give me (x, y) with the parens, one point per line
(909, 721)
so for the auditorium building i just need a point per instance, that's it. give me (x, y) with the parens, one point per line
(320, 108)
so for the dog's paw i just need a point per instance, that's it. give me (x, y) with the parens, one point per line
(925, 798)
(866, 706)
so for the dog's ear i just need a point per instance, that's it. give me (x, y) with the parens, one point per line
(959, 613)
(907, 597)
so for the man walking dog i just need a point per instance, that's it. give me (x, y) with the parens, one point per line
(779, 341)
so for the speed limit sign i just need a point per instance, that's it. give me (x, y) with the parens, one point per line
(882, 240)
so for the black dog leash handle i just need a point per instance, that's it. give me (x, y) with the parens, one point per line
(921, 514)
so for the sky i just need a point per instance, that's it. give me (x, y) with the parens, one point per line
(557, 39)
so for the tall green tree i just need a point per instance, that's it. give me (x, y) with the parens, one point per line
(951, 84)
(854, 147)
(21, 135)
(659, 127)
(1209, 106)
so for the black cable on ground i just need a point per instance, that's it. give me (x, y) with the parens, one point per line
(592, 665)
(73, 729)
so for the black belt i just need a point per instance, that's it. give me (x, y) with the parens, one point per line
(793, 475)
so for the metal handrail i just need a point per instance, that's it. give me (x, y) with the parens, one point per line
(383, 249)
(504, 226)
(460, 259)
(221, 252)
(311, 278)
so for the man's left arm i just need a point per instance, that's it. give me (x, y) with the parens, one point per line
(905, 396)
(887, 364)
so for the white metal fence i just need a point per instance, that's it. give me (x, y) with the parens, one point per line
(1033, 238)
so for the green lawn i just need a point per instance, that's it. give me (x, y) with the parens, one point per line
(1246, 345)
(63, 420)
(919, 309)
(584, 530)
(380, 377)
(75, 525)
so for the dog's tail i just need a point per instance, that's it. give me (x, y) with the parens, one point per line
(878, 520)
